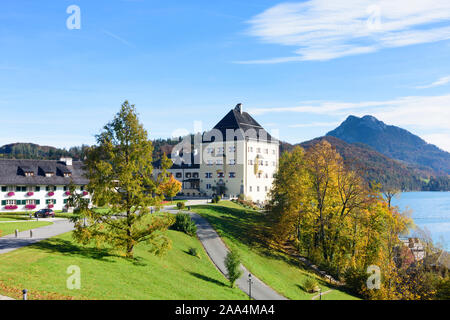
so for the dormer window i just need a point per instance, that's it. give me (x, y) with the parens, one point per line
(67, 174)
(49, 174)
(29, 174)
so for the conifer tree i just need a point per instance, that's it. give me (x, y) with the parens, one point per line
(119, 169)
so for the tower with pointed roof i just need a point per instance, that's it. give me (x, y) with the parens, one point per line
(238, 157)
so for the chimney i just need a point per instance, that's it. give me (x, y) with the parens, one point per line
(67, 161)
(239, 108)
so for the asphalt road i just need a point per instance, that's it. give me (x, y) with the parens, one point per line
(10, 242)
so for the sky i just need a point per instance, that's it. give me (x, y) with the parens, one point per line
(299, 68)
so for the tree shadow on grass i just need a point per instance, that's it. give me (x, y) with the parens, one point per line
(206, 278)
(68, 248)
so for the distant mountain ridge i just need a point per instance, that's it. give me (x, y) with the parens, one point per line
(394, 142)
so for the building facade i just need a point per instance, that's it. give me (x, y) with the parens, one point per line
(30, 185)
(236, 157)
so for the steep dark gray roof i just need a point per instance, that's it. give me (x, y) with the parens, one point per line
(12, 172)
(237, 119)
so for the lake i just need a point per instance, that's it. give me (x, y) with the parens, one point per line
(430, 211)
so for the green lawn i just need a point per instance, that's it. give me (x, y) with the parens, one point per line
(9, 227)
(41, 268)
(237, 226)
(14, 218)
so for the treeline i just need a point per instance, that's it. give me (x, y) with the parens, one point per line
(34, 151)
(336, 219)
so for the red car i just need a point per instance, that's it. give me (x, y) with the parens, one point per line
(44, 213)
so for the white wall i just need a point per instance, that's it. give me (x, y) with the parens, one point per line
(42, 195)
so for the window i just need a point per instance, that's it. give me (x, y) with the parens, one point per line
(210, 150)
(232, 162)
(219, 162)
(21, 189)
(208, 186)
(209, 163)
(220, 150)
(250, 162)
(250, 149)
(274, 163)
(37, 188)
(258, 150)
(11, 188)
(259, 174)
(67, 174)
(29, 174)
(208, 175)
(266, 151)
(195, 175)
(10, 202)
(273, 151)
(266, 176)
(30, 201)
(232, 175)
(232, 149)
(257, 188)
(188, 175)
(266, 188)
(50, 188)
(178, 175)
(50, 201)
(250, 188)
(261, 162)
(30, 189)
(49, 174)
(220, 175)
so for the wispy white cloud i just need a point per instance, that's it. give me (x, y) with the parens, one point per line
(314, 124)
(440, 82)
(419, 111)
(324, 30)
(125, 42)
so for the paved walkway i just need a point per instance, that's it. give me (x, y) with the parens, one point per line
(10, 242)
(6, 298)
(217, 251)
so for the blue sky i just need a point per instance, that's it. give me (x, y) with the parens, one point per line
(299, 67)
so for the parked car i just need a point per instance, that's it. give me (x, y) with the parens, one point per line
(44, 213)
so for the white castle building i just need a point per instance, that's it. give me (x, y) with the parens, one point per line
(236, 157)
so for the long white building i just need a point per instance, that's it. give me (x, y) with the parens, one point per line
(30, 185)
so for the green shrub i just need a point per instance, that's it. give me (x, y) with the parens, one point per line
(180, 205)
(355, 279)
(216, 199)
(232, 263)
(311, 285)
(184, 223)
(241, 196)
(194, 252)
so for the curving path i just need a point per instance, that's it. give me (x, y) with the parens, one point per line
(10, 242)
(217, 251)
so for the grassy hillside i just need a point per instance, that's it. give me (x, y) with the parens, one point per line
(240, 229)
(41, 268)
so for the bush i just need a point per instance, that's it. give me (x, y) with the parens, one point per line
(241, 196)
(184, 223)
(311, 285)
(216, 199)
(355, 279)
(194, 252)
(180, 205)
(232, 263)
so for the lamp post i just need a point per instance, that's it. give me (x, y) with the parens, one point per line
(250, 286)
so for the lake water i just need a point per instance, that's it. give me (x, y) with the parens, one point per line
(430, 211)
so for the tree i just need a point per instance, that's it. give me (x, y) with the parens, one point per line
(233, 263)
(171, 188)
(119, 170)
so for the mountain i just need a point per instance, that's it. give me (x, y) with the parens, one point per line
(378, 167)
(394, 142)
